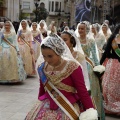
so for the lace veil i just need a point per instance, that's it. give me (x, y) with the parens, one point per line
(12, 29)
(45, 25)
(27, 25)
(59, 46)
(108, 29)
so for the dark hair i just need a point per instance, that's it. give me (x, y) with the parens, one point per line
(44, 47)
(117, 28)
(116, 31)
(72, 39)
(108, 45)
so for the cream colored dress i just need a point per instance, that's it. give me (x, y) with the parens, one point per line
(11, 65)
(25, 52)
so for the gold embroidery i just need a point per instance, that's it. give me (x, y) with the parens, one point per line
(69, 68)
(65, 87)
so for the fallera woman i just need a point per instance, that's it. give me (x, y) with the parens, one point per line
(37, 39)
(24, 37)
(62, 88)
(91, 52)
(111, 77)
(11, 64)
(75, 48)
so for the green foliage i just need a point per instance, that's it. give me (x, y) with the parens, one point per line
(42, 13)
(23, 15)
(1, 2)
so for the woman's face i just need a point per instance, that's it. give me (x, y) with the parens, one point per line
(82, 29)
(24, 25)
(93, 29)
(51, 57)
(34, 26)
(104, 28)
(66, 39)
(7, 26)
(41, 25)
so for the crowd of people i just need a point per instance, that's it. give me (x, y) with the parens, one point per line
(78, 68)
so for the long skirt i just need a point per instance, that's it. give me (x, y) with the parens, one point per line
(36, 48)
(95, 92)
(111, 86)
(41, 111)
(11, 66)
(27, 59)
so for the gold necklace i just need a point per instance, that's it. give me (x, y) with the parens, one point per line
(23, 31)
(34, 31)
(83, 40)
(58, 66)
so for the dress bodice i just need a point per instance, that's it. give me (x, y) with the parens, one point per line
(90, 50)
(11, 37)
(37, 36)
(35, 33)
(70, 83)
(27, 35)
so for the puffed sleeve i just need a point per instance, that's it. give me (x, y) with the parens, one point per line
(79, 84)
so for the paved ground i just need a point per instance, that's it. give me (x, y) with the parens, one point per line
(17, 99)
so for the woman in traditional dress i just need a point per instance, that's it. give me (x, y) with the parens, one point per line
(11, 65)
(52, 28)
(90, 50)
(60, 96)
(25, 38)
(99, 38)
(37, 39)
(106, 30)
(74, 45)
(43, 28)
(111, 77)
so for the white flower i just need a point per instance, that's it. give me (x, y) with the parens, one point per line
(99, 68)
(89, 114)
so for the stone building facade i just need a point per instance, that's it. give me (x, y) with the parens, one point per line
(61, 10)
(10, 9)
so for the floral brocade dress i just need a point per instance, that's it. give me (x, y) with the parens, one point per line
(27, 57)
(67, 82)
(37, 39)
(11, 64)
(90, 51)
(111, 80)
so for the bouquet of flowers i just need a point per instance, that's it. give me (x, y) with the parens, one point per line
(89, 114)
(99, 70)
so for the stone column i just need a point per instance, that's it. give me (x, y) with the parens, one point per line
(72, 13)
